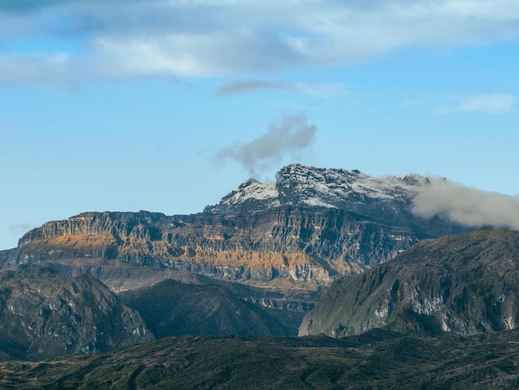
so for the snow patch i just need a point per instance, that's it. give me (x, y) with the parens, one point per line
(316, 202)
(252, 190)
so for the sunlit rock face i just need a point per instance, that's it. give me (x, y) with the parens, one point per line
(462, 284)
(309, 227)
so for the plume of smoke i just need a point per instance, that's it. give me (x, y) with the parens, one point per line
(467, 206)
(291, 135)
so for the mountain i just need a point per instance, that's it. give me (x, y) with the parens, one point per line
(308, 228)
(172, 308)
(373, 361)
(45, 313)
(462, 284)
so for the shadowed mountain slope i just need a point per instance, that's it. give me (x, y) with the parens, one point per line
(172, 308)
(461, 284)
(45, 313)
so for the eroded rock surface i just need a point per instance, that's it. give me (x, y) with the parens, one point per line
(44, 313)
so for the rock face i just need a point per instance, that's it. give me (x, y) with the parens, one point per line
(309, 227)
(462, 284)
(172, 308)
(44, 313)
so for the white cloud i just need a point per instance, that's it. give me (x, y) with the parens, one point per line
(467, 206)
(181, 38)
(489, 103)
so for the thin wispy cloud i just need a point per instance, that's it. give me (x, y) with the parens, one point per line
(251, 86)
(488, 103)
(291, 135)
(482, 103)
(206, 38)
(254, 86)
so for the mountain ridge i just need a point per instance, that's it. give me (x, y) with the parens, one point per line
(313, 226)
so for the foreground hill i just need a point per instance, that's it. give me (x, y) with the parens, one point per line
(45, 313)
(373, 361)
(172, 308)
(459, 284)
(308, 228)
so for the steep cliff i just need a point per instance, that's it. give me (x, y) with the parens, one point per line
(45, 313)
(462, 284)
(309, 227)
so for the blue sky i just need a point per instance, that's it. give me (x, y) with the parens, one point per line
(111, 105)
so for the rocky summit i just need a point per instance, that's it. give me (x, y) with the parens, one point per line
(463, 284)
(308, 228)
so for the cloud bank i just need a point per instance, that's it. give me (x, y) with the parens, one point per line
(97, 39)
(291, 135)
(467, 206)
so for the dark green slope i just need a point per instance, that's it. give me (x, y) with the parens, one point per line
(379, 361)
(462, 284)
(172, 308)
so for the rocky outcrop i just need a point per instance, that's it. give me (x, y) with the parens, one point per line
(304, 245)
(45, 313)
(462, 284)
(309, 227)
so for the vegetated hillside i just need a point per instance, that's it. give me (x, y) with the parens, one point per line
(373, 361)
(44, 313)
(458, 284)
(172, 308)
(308, 228)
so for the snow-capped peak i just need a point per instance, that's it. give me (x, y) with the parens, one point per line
(300, 185)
